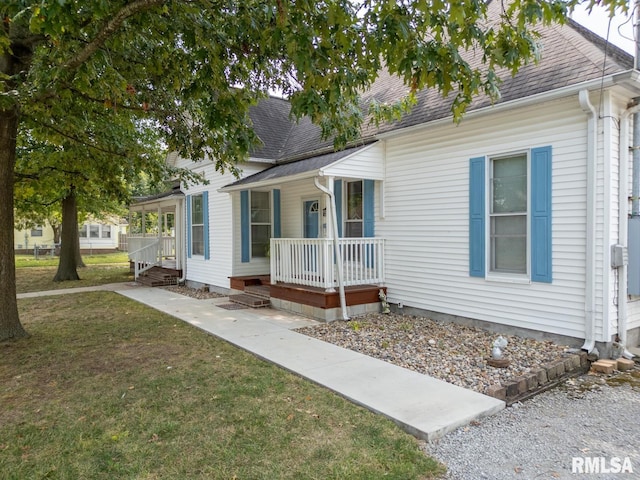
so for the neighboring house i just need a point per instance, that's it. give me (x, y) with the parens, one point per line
(515, 219)
(95, 236)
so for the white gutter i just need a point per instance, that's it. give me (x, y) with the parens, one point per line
(590, 283)
(336, 245)
(623, 223)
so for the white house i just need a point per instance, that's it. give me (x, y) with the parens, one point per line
(516, 219)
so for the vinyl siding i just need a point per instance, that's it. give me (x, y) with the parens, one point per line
(426, 219)
(218, 268)
(368, 161)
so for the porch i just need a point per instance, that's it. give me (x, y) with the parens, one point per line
(306, 275)
(153, 260)
(154, 242)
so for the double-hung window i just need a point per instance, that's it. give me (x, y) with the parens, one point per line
(510, 215)
(197, 224)
(106, 231)
(354, 220)
(260, 223)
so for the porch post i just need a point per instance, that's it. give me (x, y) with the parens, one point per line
(144, 222)
(160, 246)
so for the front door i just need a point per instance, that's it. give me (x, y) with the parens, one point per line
(311, 219)
(310, 226)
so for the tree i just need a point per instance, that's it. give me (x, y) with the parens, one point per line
(56, 177)
(193, 67)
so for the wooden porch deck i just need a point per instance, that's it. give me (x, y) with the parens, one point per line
(311, 296)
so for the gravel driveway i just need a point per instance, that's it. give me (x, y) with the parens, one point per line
(589, 417)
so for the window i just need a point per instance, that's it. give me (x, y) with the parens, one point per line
(37, 231)
(82, 231)
(197, 225)
(260, 223)
(353, 222)
(106, 231)
(94, 231)
(508, 215)
(510, 227)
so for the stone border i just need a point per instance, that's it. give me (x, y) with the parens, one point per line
(541, 379)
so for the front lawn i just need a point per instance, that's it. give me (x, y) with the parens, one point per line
(108, 388)
(37, 275)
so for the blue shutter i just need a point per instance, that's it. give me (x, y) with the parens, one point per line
(337, 192)
(368, 195)
(277, 229)
(477, 217)
(368, 205)
(188, 226)
(245, 218)
(541, 214)
(205, 223)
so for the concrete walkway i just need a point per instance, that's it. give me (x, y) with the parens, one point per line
(423, 406)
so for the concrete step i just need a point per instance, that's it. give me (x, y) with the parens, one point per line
(249, 300)
(263, 291)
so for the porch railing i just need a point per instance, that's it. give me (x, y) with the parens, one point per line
(311, 261)
(136, 242)
(146, 257)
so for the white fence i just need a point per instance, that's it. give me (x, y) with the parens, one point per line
(311, 261)
(136, 242)
(146, 257)
(146, 252)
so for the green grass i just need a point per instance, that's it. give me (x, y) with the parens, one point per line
(48, 261)
(37, 275)
(107, 388)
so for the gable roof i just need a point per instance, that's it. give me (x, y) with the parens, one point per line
(571, 55)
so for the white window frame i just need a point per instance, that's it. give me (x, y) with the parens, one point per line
(83, 231)
(501, 276)
(345, 216)
(195, 253)
(105, 229)
(257, 224)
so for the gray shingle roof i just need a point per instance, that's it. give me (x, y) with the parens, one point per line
(571, 54)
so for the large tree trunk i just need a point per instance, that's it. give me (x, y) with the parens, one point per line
(78, 255)
(67, 266)
(10, 326)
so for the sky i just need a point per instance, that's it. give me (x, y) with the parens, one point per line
(621, 31)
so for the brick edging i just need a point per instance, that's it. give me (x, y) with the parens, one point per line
(541, 379)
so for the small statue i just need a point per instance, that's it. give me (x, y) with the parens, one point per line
(383, 301)
(498, 345)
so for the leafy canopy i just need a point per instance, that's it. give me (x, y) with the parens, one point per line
(193, 67)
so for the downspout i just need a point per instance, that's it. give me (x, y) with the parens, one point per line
(623, 214)
(336, 245)
(590, 286)
(180, 222)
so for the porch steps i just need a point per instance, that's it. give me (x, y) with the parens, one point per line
(252, 301)
(262, 291)
(159, 277)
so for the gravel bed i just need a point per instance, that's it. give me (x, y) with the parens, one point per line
(450, 352)
(538, 439)
(199, 293)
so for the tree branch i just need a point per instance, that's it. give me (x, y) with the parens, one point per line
(78, 140)
(110, 28)
(37, 176)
